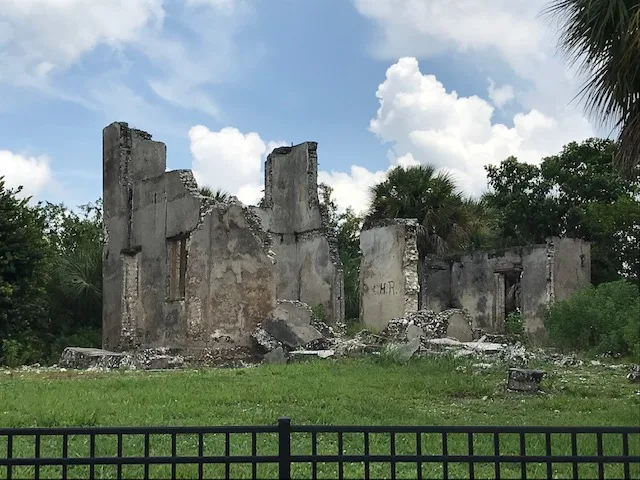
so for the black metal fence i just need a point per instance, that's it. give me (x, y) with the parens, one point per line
(317, 451)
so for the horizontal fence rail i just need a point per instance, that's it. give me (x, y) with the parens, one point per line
(287, 451)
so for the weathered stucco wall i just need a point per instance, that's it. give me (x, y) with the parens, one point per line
(571, 266)
(179, 271)
(435, 283)
(388, 272)
(307, 263)
(487, 283)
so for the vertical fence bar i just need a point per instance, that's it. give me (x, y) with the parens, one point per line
(146, 456)
(367, 467)
(119, 455)
(547, 444)
(284, 448)
(65, 454)
(36, 454)
(471, 464)
(523, 452)
(92, 455)
(496, 452)
(9, 454)
(227, 453)
(574, 452)
(340, 453)
(419, 453)
(174, 453)
(314, 452)
(445, 453)
(254, 454)
(392, 451)
(201, 455)
(625, 452)
(600, 453)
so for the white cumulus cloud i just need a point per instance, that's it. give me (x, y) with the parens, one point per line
(230, 160)
(501, 95)
(31, 173)
(422, 119)
(38, 37)
(41, 39)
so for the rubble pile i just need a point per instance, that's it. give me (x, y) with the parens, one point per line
(97, 359)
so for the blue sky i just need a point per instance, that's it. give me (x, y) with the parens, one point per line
(377, 83)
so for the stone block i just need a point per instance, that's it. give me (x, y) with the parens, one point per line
(94, 358)
(276, 357)
(297, 309)
(289, 330)
(459, 328)
(522, 380)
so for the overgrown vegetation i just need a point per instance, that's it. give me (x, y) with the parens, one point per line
(514, 324)
(431, 391)
(603, 319)
(50, 278)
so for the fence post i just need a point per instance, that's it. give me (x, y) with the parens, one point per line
(284, 448)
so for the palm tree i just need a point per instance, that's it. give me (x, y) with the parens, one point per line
(482, 231)
(603, 38)
(218, 196)
(418, 192)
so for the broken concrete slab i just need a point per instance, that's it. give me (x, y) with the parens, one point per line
(459, 327)
(264, 341)
(81, 358)
(302, 355)
(289, 330)
(296, 309)
(522, 380)
(404, 351)
(276, 357)
(413, 332)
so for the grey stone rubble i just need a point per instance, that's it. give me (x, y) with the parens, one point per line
(634, 373)
(522, 380)
(98, 359)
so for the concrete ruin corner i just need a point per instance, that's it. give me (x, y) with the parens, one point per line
(180, 270)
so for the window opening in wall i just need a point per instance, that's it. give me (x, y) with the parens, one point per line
(512, 285)
(177, 268)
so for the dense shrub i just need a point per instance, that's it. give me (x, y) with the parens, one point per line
(602, 319)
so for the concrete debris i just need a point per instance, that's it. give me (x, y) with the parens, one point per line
(403, 352)
(521, 380)
(301, 355)
(297, 309)
(634, 374)
(276, 357)
(94, 358)
(264, 340)
(289, 330)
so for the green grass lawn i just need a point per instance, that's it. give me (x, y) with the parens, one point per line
(367, 392)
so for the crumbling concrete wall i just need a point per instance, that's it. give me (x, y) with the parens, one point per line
(179, 271)
(389, 285)
(307, 262)
(488, 284)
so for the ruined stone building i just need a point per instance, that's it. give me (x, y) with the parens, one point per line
(308, 266)
(183, 271)
(395, 279)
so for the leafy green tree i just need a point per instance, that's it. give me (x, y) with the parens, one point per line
(576, 193)
(22, 268)
(602, 37)
(433, 198)
(345, 228)
(603, 319)
(75, 279)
